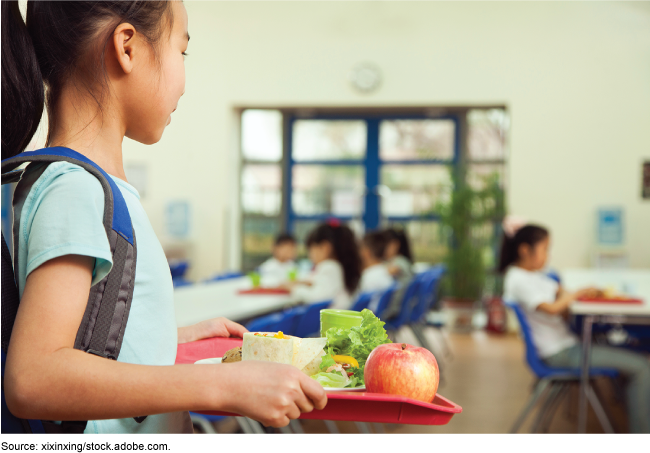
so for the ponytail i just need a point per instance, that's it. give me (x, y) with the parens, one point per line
(344, 248)
(23, 94)
(529, 234)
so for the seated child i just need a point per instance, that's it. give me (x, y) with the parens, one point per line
(276, 270)
(375, 276)
(333, 250)
(398, 255)
(523, 257)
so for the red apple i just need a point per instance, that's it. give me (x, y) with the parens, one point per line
(402, 369)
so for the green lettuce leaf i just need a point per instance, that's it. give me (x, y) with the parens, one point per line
(335, 380)
(358, 342)
(326, 362)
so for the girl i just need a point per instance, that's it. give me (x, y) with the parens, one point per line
(398, 255)
(523, 256)
(333, 251)
(399, 263)
(113, 69)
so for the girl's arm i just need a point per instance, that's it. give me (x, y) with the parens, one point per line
(47, 379)
(564, 299)
(217, 327)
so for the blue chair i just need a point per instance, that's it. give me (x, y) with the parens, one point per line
(555, 380)
(385, 297)
(408, 300)
(363, 301)
(308, 322)
(225, 276)
(178, 268)
(268, 323)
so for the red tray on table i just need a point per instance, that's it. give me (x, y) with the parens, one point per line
(345, 406)
(602, 300)
(265, 291)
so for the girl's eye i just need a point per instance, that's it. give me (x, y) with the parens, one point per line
(185, 54)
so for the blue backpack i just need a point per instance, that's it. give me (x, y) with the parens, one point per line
(102, 328)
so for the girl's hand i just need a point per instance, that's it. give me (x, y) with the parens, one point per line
(270, 393)
(217, 327)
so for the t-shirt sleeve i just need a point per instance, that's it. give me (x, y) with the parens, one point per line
(524, 292)
(65, 217)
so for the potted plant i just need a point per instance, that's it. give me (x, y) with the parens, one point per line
(470, 219)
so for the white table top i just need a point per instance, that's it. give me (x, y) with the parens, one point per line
(631, 282)
(203, 301)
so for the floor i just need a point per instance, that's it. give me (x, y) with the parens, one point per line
(487, 376)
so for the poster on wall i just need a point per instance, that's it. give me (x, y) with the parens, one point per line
(645, 181)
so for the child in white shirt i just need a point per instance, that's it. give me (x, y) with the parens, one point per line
(375, 276)
(276, 270)
(333, 249)
(523, 257)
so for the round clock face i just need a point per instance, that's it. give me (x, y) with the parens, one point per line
(365, 77)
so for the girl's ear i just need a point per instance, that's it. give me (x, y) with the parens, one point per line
(124, 43)
(524, 251)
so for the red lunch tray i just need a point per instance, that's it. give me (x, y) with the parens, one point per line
(264, 291)
(602, 300)
(345, 406)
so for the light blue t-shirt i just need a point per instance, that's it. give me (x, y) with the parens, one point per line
(62, 215)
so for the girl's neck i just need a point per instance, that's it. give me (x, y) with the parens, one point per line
(526, 266)
(96, 134)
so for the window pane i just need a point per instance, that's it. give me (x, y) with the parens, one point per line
(258, 237)
(262, 135)
(416, 139)
(337, 189)
(480, 176)
(487, 133)
(426, 243)
(329, 140)
(261, 189)
(414, 190)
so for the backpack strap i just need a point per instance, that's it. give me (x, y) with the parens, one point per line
(102, 328)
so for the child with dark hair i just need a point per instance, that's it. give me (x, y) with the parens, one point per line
(398, 254)
(112, 69)
(399, 263)
(333, 250)
(523, 257)
(375, 276)
(276, 270)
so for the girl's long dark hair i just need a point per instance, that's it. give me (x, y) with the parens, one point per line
(398, 234)
(62, 42)
(344, 247)
(529, 234)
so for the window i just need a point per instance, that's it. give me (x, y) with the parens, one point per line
(369, 168)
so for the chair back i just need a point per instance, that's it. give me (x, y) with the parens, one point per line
(309, 321)
(384, 299)
(225, 276)
(363, 300)
(427, 294)
(409, 299)
(268, 323)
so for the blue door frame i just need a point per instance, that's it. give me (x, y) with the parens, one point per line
(372, 164)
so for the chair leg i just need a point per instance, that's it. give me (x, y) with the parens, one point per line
(203, 423)
(552, 409)
(598, 409)
(541, 386)
(555, 388)
(249, 426)
(363, 428)
(379, 428)
(331, 426)
(296, 427)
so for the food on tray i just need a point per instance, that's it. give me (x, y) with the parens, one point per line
(232, 355)
(347, 350)
(402, 369)
(303, 353)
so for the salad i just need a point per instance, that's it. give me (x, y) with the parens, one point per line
(347, 350)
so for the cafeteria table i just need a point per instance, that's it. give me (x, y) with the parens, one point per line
(631, 282)
(196, 303)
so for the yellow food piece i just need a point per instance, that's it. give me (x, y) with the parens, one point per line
(346, 359)
(280, 335)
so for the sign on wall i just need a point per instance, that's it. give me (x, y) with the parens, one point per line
(610, 226)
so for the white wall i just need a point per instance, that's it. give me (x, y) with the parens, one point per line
(575, 77)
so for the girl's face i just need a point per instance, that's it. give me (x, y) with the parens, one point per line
(534, 258)
(320, 252)
(157, 85)
(392, 249)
